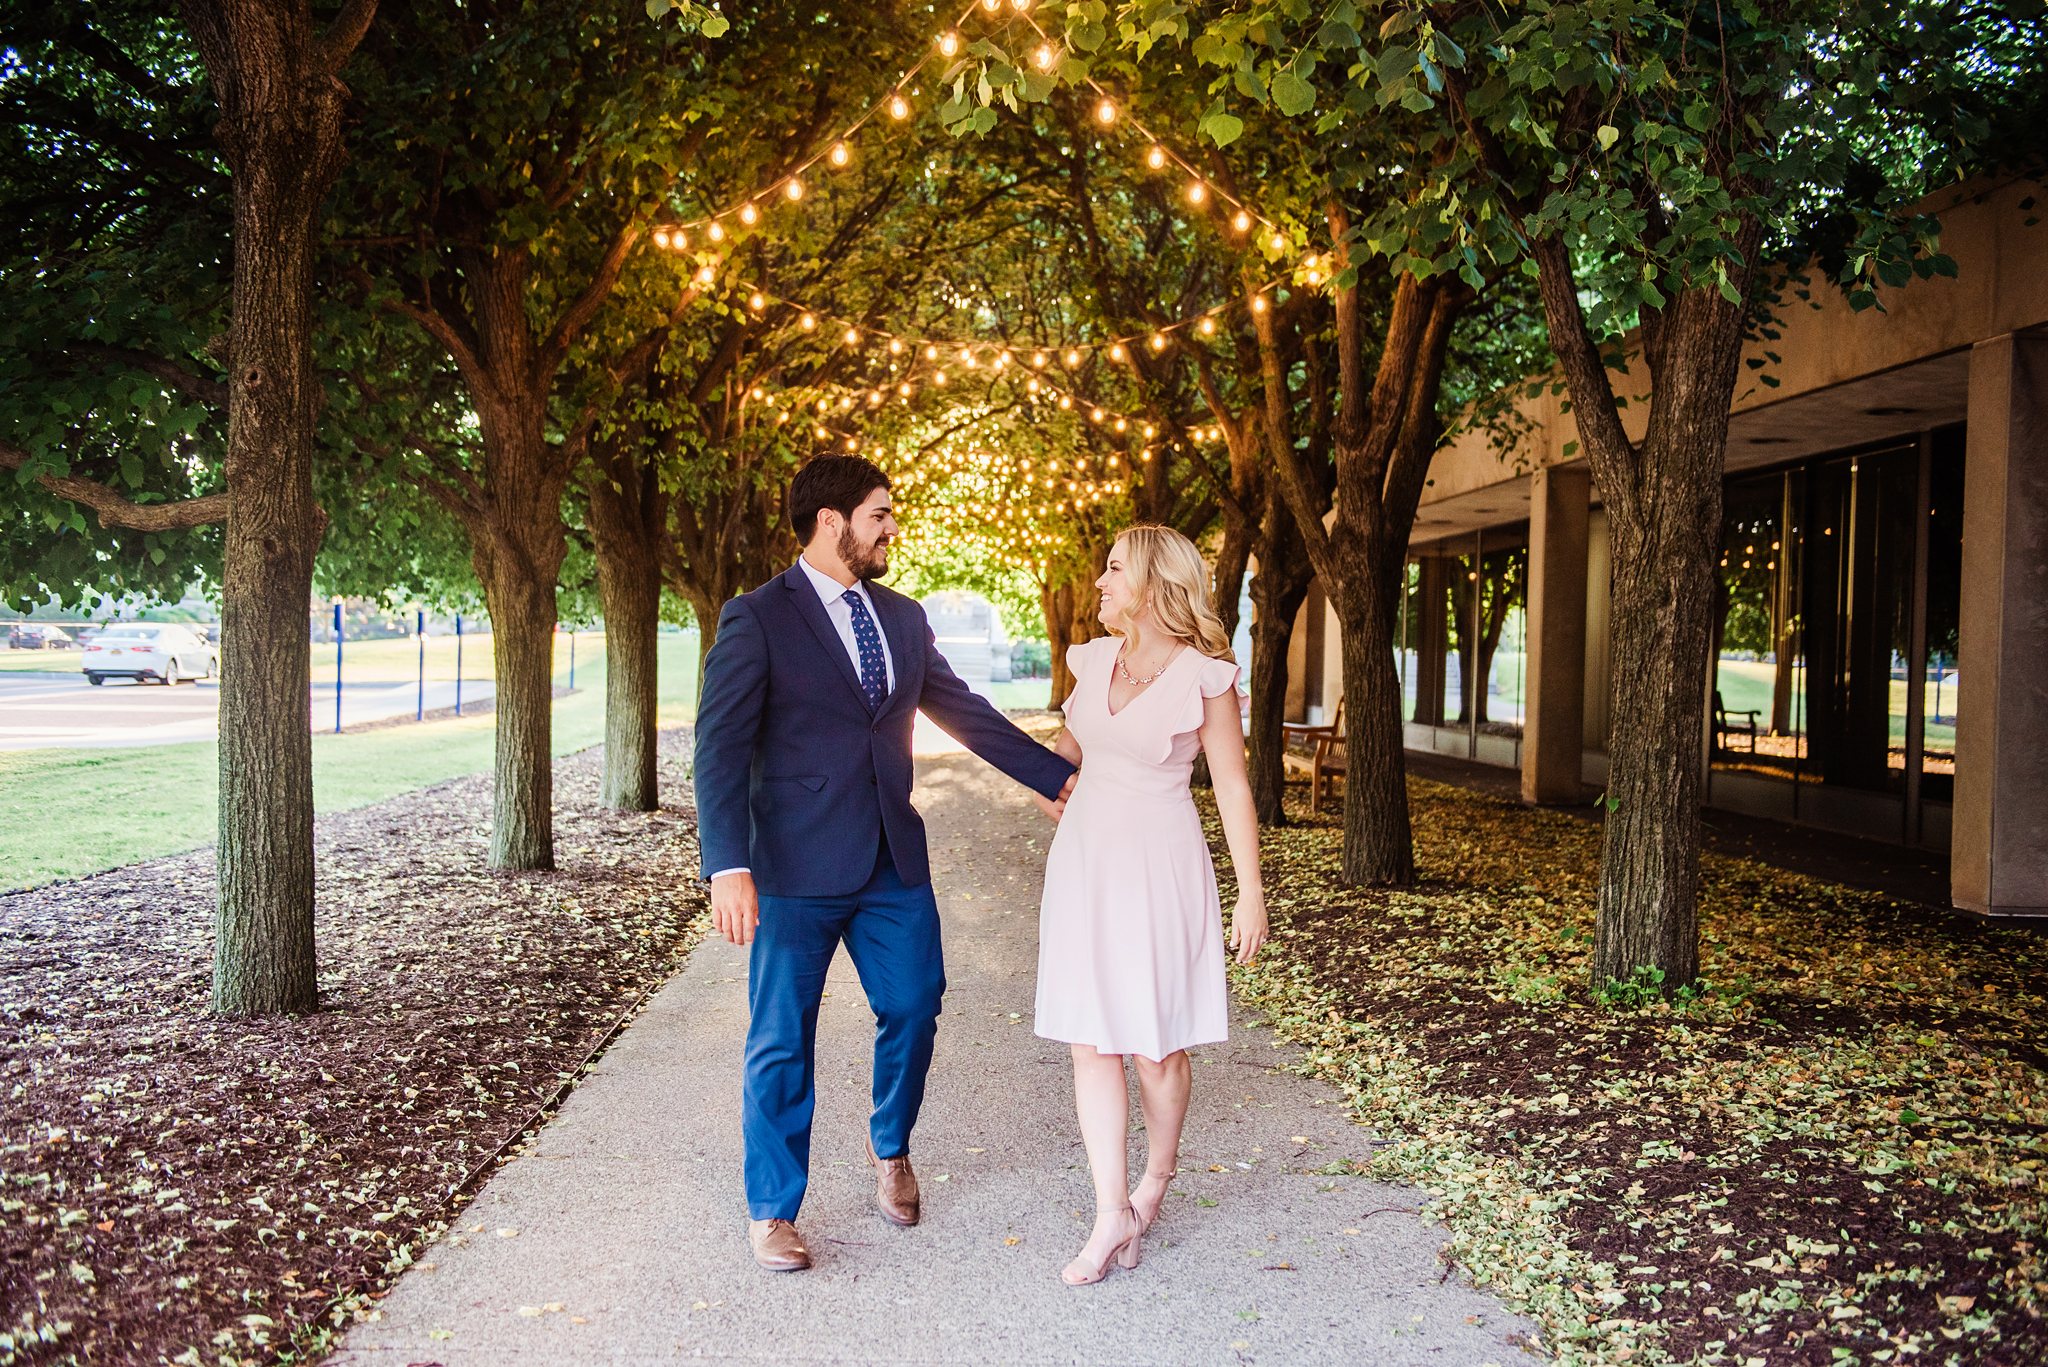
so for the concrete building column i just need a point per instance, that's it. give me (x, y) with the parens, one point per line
(1554, 689)
(1432, 639)
(2000, 847)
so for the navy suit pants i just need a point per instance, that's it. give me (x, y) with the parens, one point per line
(891, 933)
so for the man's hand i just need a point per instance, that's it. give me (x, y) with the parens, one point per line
(1052, 807)
(735, 906)
(1067, 788)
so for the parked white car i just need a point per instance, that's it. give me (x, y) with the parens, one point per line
(144, 651)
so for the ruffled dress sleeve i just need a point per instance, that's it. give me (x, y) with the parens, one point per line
(1212, 677)
(1077, 664)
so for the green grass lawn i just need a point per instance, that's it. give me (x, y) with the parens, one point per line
(39, 661)
(69, 812)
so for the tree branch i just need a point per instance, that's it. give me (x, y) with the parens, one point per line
(190, 382)
(115, 509)
(333, 49)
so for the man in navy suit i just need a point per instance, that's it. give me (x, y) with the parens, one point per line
(803, 779)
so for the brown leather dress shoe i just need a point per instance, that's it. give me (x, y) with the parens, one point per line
(895, 1188)
(777, 1246)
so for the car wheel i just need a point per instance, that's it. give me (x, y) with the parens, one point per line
(95, 679)
(171, 674)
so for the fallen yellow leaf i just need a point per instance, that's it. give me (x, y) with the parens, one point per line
(1013, 1239)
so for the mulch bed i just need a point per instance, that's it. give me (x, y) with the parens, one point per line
(175, 1187)
(1831, 1155)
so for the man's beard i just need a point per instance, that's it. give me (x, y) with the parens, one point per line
(863, 561)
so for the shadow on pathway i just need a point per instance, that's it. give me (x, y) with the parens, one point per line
(620, 1236)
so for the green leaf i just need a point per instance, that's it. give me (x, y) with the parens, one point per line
(1608, 135)
(1223, 129)
(1294, 95)
(715, 26)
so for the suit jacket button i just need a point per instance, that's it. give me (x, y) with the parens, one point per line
(871, 780)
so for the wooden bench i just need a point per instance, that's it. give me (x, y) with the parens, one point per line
(1724, 729)
(1326, 760)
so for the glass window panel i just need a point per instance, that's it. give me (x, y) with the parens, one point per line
(1944, 604)
(1757, 694)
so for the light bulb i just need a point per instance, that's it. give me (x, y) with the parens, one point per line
(1149, 429)
(895, 347)
(757, 302)
(807, 322)
(717, 231)
(966, 359)
(1121, 424)
(1156, 158)
(1279, 242)
(781, 418)
(939, 378)
(1073, 358)
(1197, 192)
(949, 42)
(1002, 359)
(1096, 416)
(1208, 326)
(1032, 386)
(748, 213)
(1242, 221)
(1116, 353)
(1020, 5)
(1046, 57)
(1038, 358)
(1258, 303)
(931, 353)
(1159, 341)
(704, 275)
(899, 108)
(904, 390)
(991, 5)
(795, 188)
(852, 337)
(661, 237)
(1105, 112)
(757, 391)
(1145, 454)
(1066, 401)
(1315, 278)
(841, 154)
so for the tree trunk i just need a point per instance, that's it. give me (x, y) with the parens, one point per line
(1379, 847)
(1663, 500)
(280, 130)
(628, 516)
(517, 547)
(1278, 591)
(1665, 550)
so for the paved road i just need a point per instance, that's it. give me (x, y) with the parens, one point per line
(620, 1236)
(39, 711)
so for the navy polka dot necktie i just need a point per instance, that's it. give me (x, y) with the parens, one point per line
(874, 670)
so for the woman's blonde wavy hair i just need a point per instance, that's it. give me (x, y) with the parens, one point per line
(1166, 571)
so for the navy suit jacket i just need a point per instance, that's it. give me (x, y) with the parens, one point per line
(796, 778)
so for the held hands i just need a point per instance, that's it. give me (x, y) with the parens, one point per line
(1056, 807)
(735, 907)
(1248, 926)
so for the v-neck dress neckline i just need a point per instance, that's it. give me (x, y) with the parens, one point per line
(1143, 693)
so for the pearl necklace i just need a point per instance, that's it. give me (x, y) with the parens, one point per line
(1140, 683)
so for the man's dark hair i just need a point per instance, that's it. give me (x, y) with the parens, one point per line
(841, 483)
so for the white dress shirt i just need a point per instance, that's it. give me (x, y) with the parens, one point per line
(833, 595)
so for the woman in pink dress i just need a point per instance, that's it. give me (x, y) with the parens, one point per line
(1130, 932)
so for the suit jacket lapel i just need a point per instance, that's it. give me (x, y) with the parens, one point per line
(898, 630)
(813, 612)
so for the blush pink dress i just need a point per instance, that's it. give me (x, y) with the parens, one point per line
(1130, 931)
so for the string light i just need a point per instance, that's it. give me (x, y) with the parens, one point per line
(1105, 113)
(949, 43)
(795, 188)
(1117, 353)
(748, 213)
(807, 322)
(704, 275)
(841, 154)
(899, 108)
(1159, 341)
(895, 346)
(717, 232)
(1156, 158)
(1047, 57)
(757, 303)
(852, 337)
(1038, 359)
(1208, 327)
(1073, 358)
(1242, 221)
(1197, 192)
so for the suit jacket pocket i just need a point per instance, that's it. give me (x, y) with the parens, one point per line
(814, 782)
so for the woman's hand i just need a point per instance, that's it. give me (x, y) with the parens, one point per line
(1248, 926)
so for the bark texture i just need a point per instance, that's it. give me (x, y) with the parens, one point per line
(281, 103)
(628, 523)
(1383, 434)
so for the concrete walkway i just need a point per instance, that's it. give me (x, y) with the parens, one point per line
(621, 1236)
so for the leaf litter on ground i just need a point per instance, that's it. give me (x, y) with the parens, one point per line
(1833, 1154)
(177, 1187)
